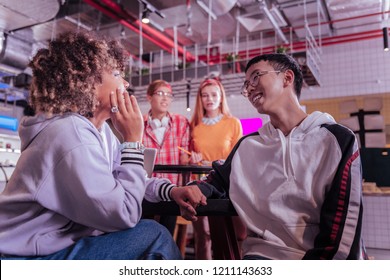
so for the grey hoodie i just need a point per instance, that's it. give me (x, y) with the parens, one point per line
(71, 181)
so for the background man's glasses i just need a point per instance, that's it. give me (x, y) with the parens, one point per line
(254, 81)
(163, 93)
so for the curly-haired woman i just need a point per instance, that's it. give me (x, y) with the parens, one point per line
(76, 193)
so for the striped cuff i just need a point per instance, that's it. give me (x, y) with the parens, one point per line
(165, 191)
(132, 156)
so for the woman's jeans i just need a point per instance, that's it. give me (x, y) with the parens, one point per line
(148, 240)
(254, 257)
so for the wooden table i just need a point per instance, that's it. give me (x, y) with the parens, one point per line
(219, 212)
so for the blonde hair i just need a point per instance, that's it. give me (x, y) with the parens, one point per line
(199, 111)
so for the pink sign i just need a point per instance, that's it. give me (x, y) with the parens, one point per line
(250, 125)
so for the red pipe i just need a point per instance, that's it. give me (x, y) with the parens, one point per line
(125, 15)
(153, 32)
(127, 24)
(343, 19)
(301, 46)
(167, 44)
(115, 11)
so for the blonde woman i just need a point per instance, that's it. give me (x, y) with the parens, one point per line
(214, 133)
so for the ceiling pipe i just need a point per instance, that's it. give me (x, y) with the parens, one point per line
(206, 9)
(148, 30)
(128, 17)
(270, 17)
(125, 23)
(116, 12)
(300, 46)
(343, 19)
(156, 34)
(385, 8)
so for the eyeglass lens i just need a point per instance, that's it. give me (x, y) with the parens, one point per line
(163, 93)
(253, 80)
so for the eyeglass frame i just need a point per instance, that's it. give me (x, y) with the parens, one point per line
(161, 93)
(257, 75)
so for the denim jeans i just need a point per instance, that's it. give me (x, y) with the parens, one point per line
(254, 257)
(148, 240)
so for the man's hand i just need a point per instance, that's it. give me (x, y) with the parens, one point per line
(188, 198)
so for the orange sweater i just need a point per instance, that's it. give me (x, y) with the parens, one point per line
(217, 140)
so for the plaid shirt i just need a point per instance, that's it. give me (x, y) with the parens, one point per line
(176, 134)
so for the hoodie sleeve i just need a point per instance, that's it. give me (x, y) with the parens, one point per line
(82, 188)
(157, 189)
(217, 183)
(341, 212)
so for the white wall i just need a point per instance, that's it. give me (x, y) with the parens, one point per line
(350, 69)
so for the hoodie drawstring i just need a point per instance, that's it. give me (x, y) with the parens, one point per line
(290, 153)
(287, 153)
(283, 142)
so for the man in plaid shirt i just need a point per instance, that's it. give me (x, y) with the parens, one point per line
(165, 131)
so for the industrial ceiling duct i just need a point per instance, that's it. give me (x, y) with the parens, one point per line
(16, 53)
(18, 18)
(220, 7)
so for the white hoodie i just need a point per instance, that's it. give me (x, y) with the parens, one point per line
(299, 195)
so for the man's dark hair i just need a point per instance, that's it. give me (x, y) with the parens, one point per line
(281, 62)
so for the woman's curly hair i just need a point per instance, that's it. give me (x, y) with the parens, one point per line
(66, 74)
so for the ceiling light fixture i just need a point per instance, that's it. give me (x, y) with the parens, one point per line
(147, 10)
(145, 16)
(385, 39)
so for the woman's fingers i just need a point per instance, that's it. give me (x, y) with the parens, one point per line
(134, 105)
(114, 102)
(126, 115)
(127, 105)
(120, 96)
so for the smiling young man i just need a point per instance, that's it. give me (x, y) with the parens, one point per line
(296, 183)
(166, 132)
